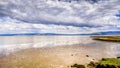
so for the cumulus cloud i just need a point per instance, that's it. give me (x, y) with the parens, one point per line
(51, 16)
(12, 26)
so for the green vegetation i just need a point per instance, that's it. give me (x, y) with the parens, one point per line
(105, 63)
(110, 61)
(107, 38)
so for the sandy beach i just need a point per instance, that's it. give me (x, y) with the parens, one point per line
(62, 56)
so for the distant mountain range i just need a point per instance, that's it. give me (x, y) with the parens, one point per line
(55, 34)
(105, 33)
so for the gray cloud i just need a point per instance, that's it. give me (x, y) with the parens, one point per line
(83, 16)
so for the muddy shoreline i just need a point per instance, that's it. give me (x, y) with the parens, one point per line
(54, 52)
(51, 57)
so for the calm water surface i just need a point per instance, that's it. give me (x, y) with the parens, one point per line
(10, 44)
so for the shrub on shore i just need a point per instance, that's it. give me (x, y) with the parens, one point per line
(77, 66)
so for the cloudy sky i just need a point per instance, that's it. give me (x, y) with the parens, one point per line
(62, 17)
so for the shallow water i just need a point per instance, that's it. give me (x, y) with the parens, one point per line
(10, 44)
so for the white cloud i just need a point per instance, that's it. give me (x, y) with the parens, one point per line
(58, 17)
(13, 26)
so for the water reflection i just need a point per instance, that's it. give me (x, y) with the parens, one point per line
(9, 44)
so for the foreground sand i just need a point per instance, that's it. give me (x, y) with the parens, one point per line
(53, 57)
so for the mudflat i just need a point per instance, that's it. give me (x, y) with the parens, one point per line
(64, 55)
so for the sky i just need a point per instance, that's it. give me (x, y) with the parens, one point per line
(61, 17)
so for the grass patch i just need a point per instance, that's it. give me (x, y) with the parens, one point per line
(107, 38)
(110, 61)
(105, 63)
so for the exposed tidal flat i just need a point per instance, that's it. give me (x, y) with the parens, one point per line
(53, 51)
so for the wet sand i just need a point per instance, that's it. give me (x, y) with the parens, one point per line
(59, 56)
